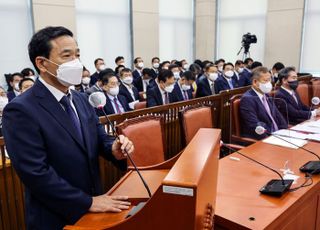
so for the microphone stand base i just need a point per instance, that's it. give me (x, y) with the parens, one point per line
(312, 167)
(276, 187)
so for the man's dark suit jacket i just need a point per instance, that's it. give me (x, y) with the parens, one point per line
(204, 88)
(11, 95)
(138, 83)
(154, 97)
(253, 114)
(244, 78)
(108, 108)
(59, 170)
(125, 92)
(94, 78)
(287, 105)
(135, 74)
(177, 94)
(222, 84)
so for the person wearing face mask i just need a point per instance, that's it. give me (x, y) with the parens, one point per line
(184, 65)
(290, 104)
(165, 65)
(14, 90)
(115, 103)
(97, 87)
(228, 79)
(143, 82)
(127, 89)
(182, 88)
(256, 107)
(3, 102)
(275, 71)
(155, 62)
(54, 138)
(28, 72)
(138, 64)
(84, 86)
(206, 84)
(174, 68)
(99, 65)
(119, 61)
(25, 84)
(160, 93)
(240, 76)
(219, 63)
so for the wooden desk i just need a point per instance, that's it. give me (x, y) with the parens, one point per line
(239, 200)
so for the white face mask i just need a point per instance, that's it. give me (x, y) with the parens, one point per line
(16, 86)
(169, 88)
(122, 63)
(265, 87)
(213, 76)
(86, 80)
(176, 75)
(34, 78)
(69, 73)
(185, 87)
(140, 65)
(101, 67)
(155, 65)
(240, 70)
(165, 67)
(114, 91)
(3, 103)
(185, 66)
(276, 75)
(220, 68)
(127, 80)
(229, 73)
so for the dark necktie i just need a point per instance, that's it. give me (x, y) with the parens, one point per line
(115, 100)
(166, 101)
(65, 101)
(185, 95)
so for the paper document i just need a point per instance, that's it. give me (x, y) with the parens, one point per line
(291, 133)
(285, 142)
(306, 128)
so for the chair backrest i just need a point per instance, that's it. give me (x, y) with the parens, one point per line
(235, 115)
(303, 91)
(147, 135)
(316, 88)
(140, 105)
(193, 118)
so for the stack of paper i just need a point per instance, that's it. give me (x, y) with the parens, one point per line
(291, 133)
(285, 141)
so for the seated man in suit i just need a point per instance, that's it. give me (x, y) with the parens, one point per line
(127, 89)
(85, 81)
(239, 72)
(160, 92)
(182, 88)
(25, 84)
(142, 83)
(289, 103)
(97, 87)
(275, 71)
(155, 62)
(99, 64)
(258, 109)
(220, 63)
(119, 61)
(138, 65)
(115, 103)
(228, 79)
(175, 69)
(206, 85)
(14, 85)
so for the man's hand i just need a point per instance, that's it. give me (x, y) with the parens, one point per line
(106, 203)
(318, 112)
(121, 146)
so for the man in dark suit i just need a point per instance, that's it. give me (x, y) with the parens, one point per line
(97, 87)
(138, 64)
(115, 103)
(155, 62)
(242, 78)
(258, 109)
(53, 138)
(14, 86)
(206, 85)
(99, 64)
(227, 79)
(142, 83)
(275, 71)
(127, 89)
(84, 86)
(160, 92)
(289, 102)
(182, 88)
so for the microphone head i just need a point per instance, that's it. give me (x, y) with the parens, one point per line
(97, 100)
(315, 100)
(260, 130)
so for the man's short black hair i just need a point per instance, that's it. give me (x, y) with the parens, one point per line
(118, 59)
(164, 75)
(256, 64)
(188, 75)
(228, 63)
(173, 66)
(195, 68)
(284, 73)
(163, 63)
(147, 71)
(239, 62)
(106, 77)
(220, 60)
(199, 62)
(247, 60)
(118, 68)
(135, 61)
(125, 70)
(24, 80)
(96, 60)
(40, 44)
(15, 74)
(155, 58)
(208, 66)
(105, 72)
(26, 71)
(278, 66)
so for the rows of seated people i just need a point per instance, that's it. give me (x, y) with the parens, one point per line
(168, 82)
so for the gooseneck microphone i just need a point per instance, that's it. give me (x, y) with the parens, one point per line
(273, 187)
(98, 100)
(312, 167)
(314, 102)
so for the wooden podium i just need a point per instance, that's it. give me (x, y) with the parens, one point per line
(183, 191)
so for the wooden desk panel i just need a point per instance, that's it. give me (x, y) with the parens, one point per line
(239, 182)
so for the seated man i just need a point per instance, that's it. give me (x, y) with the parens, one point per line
(242, 78)
(160, 92)
(25, 84)
(127, 89)
(115, 103)
(14, 90)
(99, 64)
(289, 103)
(228, 79)
(97, 87)
(182, 89)
(206, 83)
(275, 71)
(258, 109)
